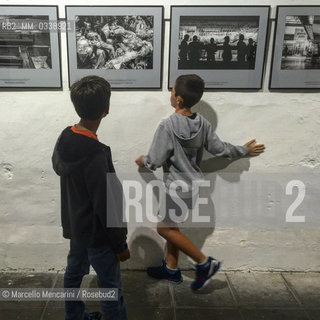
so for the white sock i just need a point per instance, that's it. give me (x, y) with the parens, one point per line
(171, 268)
(204, 262)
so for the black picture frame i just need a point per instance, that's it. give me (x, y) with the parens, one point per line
(31, 48)
(129, 79)
(291, 67)
(226, 75)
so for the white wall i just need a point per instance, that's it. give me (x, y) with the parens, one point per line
(288, 124)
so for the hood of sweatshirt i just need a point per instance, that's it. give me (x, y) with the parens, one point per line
(189, 131)
(71, 150)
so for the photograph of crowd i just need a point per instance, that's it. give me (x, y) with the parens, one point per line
(23, 42)
(301, 44)
(114, 42)
(218, 42)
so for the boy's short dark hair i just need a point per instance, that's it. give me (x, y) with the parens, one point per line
(90, 97)
(190, 88)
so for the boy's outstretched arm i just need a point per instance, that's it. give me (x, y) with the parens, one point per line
(220, 148)
(253, 148)
(159, 152)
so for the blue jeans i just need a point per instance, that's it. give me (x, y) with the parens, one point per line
(106, 265)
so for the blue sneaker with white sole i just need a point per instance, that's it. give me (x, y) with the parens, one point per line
(163, 272)
(204, 272)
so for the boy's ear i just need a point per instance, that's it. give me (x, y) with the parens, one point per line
(180, 100)
(106, 111)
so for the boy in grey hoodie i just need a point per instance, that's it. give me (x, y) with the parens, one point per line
(178, 146)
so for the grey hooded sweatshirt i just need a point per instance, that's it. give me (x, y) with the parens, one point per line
(178, 146)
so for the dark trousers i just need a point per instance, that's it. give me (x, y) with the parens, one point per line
(106, 265)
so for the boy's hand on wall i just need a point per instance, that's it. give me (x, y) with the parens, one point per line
(123, 256)
(254, 149)
(139, 162)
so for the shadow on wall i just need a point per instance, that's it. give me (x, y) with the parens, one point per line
(212, 164)
(147, 247)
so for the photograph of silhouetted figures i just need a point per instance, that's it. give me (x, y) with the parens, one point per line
(301, 45)
(211, 42)
(114, 42)
(25, 42)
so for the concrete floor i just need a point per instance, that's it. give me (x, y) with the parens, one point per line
(229, 296)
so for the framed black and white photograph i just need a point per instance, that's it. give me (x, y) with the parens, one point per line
(296, 49)
(226, 46)
(29, 47)
(121, 44)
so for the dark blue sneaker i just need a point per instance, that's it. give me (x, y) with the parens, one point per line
(205, 272)
(163, 272)
(92, 315)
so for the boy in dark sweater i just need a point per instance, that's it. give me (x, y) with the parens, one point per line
(83, 164)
